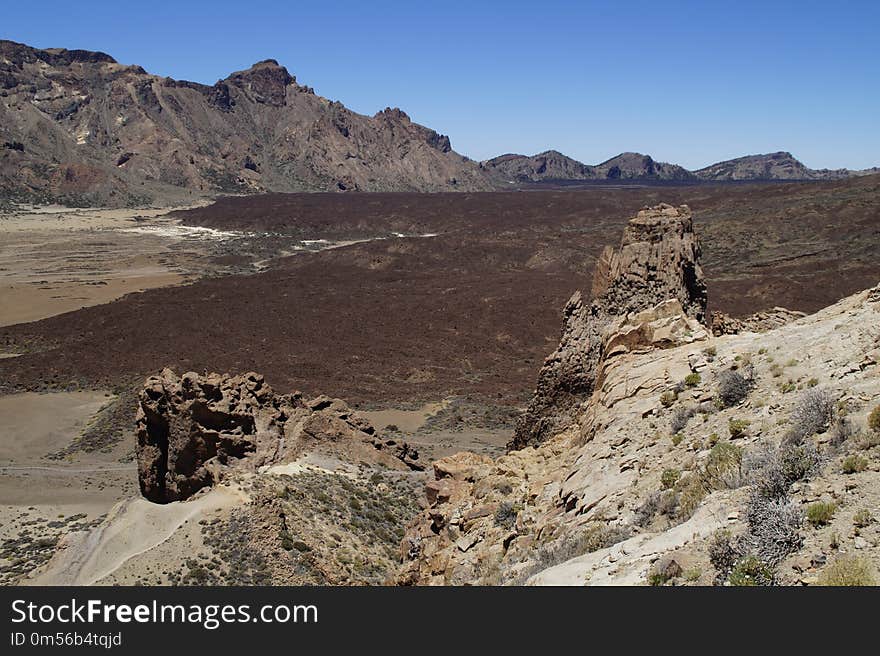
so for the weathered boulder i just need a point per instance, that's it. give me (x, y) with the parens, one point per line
(192, 430)
(658, 260)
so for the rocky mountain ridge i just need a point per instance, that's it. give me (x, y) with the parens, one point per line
(78, 126)
(554, 166)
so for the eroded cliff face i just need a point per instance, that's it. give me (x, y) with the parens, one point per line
(658, 259)
(193, 431)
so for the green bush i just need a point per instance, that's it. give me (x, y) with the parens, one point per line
(676, 439)
(692, 380)
(820, 513)
(750, 571)
(669, 478)
(848, 571)
(737, 427)
(853, 464)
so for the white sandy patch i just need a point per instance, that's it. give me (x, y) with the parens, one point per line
(133, 527)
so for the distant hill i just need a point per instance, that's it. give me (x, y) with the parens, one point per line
(549, 165)
(772, 166)
(78, 126)
(553, 166)
(635, 166)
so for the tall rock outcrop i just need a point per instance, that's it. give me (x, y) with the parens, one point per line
(658, 260)
(192, 430)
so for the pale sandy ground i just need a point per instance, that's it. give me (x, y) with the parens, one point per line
(56, 259)
(405, 420)
(33, 425)
(36, 491)
(133, 528)
(435, 444)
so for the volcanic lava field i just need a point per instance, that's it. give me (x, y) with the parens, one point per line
(427, 296)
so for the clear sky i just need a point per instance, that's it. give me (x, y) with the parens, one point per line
(687, 82)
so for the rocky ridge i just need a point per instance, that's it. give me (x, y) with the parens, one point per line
(679, 465)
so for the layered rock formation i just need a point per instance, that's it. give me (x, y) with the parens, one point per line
(192, 430)
(658, 260)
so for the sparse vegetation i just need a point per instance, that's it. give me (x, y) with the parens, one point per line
(749, 571)
(506, 514)
(821, 513)
(680, 418)
(691, 491)
(669, 478)
(676, 439)
(813, 414)
(848, 571)
(854, 464)
(723, 468)
(874, 419)
(668, 398)
(863, 518)
(733, 388)
(737, 428)
(692, 380)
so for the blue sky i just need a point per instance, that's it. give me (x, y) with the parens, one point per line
(687, 82)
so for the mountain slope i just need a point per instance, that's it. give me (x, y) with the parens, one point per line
(77, 125)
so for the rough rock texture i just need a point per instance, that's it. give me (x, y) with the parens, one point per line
(658, 260)
(759, 322)
(82, 128)
(616, 496)
(191, 430)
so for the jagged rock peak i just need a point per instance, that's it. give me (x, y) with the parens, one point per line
(267, 82)
(658, 261)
